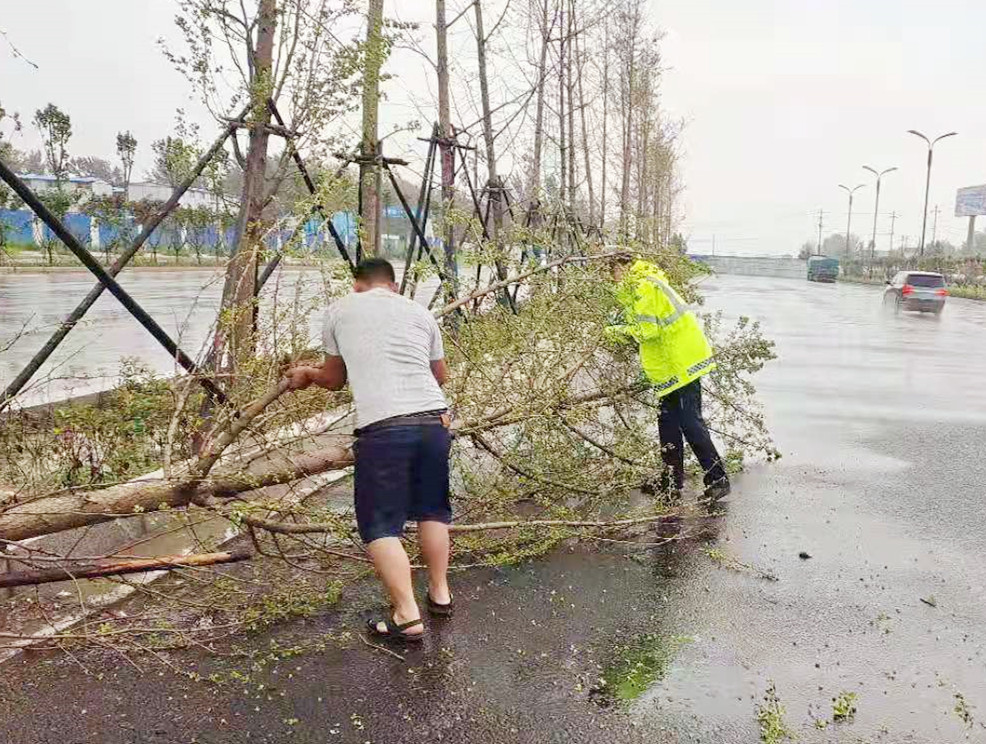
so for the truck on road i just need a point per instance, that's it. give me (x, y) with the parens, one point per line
(823, 269)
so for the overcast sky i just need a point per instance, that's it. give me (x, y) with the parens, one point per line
(784, 100)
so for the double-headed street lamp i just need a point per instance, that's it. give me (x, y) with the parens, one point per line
(876, 205)
(927, 182)
(849, 191)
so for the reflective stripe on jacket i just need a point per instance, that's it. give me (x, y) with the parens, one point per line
(673, 347)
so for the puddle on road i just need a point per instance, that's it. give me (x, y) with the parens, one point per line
(636, 666)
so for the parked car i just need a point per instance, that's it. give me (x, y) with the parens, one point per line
(922, 291)
(823, 269)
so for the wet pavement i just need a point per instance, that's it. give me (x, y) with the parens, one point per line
(881, 420)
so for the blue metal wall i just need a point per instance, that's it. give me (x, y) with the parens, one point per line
(17, 229)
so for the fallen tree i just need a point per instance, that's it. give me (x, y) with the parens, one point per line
(547, 415)
(192, 481)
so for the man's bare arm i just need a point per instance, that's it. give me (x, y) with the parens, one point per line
(331, 375)
(440, 370)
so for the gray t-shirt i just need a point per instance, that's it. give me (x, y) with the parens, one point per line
(387, 342)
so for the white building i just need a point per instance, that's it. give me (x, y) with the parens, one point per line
(139, 191)
(81, 186)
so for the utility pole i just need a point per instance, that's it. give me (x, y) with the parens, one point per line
(893, 221)
(934, 228)
(713, 244)
(818, 250)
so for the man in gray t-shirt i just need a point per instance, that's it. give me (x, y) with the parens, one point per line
(388, 343)
(390, 351)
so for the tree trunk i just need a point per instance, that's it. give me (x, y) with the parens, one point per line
(534, 185)
(605, 142)
(570, 94)
(585, 141)
(369, 168)
(562, 142)
(445, 145)
(239, 291)
(627, 90)
(642, 154)
(494, 186)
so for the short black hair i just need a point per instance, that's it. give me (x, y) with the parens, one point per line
(375, 270)
(622, 258)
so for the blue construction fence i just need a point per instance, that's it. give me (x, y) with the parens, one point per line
(23, 228)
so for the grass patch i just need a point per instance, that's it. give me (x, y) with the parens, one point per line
(770, 716)
(844, 706)
(968, 291)
(963, 710)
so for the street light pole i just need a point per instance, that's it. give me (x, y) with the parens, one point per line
(876, 208)
(849, 191)
(927, 180)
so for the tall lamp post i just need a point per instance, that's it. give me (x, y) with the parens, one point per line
(876, 208)
(927, 181)
(849, 191)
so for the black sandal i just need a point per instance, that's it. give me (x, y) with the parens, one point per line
(395, 631)
(442, 610)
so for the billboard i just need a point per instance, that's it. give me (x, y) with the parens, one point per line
(970, 201)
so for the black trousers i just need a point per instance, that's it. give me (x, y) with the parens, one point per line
(681, 419)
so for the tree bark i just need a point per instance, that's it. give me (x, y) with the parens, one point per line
(369, 168)
(239, 290)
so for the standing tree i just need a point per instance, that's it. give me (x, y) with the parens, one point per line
(240, 290)
(55, 127)
(96, 167)
(7, 154)
(174, 159)
(251, 54)
(12, 120)
(126, 149)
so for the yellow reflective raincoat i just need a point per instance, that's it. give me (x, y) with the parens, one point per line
(673, 347)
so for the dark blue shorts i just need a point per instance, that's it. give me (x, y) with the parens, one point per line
(402, 473)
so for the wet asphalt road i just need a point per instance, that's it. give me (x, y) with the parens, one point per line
(881, 420)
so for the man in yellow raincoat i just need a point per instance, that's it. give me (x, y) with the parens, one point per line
(674, 355)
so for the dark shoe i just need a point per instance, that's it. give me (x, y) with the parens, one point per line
(441, 610)
(717, 491)
(394, 631)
